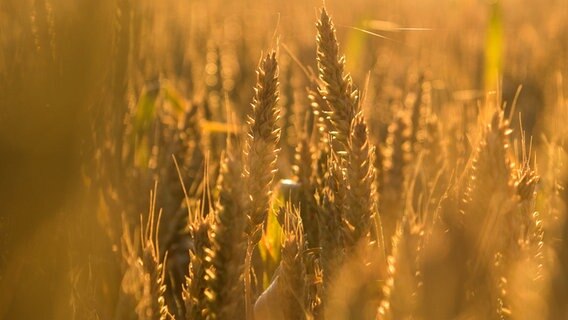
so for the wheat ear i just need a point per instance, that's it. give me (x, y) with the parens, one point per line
(261, 156)
(360, 175)
(262, 145)
(153, 304)
(341, 98)
(226, 255)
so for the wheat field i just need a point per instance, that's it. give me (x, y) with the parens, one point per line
(280, 160)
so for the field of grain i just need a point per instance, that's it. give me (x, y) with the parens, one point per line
(279, 160)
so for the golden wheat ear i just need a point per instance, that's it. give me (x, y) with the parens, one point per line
(489, 197)
(360, 175)
(293, 265)
(261, 155)
(262, 145)
(332, 201)
(151, 297)
(194, 289)
(226, 255)
(341, 99)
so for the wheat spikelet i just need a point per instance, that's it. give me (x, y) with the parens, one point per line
(319, 175)
(292, 265)
(558, 287)
(156, 288)
(261, 157)
(490, 176)
(321, 120)
(178, 262)
(489, 197)
(261, 148)
(194, 290)
(524, 260)
(402, 291)
(341, 98)
(360, 176)
(553, 189)
(180, 139)
(523, 222)
(531, 235)
(152, 304)
(332, 203)
(228, 244)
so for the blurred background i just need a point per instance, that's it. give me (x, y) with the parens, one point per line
(70, 71)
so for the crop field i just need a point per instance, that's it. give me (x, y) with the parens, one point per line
(283, 160)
